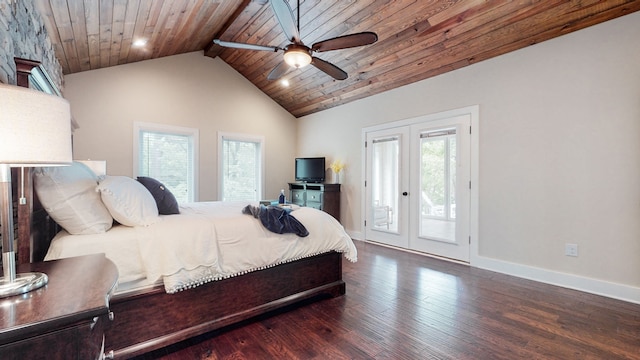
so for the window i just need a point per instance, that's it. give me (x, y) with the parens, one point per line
(241, 167)
(168, 154)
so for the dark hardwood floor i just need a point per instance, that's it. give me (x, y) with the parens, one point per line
(401, 305)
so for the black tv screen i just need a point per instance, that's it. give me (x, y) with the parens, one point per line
(310, 169)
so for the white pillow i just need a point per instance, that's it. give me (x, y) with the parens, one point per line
(128, 201)
(68, 194)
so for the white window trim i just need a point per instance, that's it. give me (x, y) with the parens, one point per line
(241, 137)
(170, 129)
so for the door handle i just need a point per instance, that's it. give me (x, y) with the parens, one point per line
(405, 193)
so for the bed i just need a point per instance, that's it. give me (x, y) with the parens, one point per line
(150, 313)
(181, 275)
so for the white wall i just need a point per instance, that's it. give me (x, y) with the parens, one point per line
(559, 154)
(188, 90)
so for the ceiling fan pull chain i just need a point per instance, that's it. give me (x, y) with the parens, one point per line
(299, 19)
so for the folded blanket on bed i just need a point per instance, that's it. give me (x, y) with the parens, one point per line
(276, 219)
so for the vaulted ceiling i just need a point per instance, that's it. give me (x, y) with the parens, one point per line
(417, 39)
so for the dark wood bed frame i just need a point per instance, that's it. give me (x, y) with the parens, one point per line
(152, 319)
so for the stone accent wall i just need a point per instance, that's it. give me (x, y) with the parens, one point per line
(23, 35)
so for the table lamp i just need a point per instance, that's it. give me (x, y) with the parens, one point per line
(35, 130)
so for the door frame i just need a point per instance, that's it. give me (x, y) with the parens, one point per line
(474, 112)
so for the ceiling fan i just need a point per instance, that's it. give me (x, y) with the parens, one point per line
(297, 54)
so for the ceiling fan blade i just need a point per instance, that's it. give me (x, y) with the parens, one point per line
(346, 41)
(328, 68)
(244, 46)
(284, 14)
(278, 71)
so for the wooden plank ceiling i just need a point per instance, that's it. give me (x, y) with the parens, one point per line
(417, 39)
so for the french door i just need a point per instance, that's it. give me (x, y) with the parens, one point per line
(387, 194)
(418, 186)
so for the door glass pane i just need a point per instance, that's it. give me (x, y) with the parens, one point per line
(437, 181)
(432, 176)
(385, 177)
(452, 176)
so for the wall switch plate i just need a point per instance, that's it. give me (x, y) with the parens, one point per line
(571, 249)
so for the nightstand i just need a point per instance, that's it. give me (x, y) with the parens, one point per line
(66, 318)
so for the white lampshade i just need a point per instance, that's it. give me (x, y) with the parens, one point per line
(35, 128)
(297, 56)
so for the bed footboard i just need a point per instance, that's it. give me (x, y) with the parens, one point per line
(148, 321)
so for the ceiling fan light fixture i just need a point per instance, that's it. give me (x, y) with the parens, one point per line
(297, 56)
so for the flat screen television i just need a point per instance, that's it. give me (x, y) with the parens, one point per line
(311, 169)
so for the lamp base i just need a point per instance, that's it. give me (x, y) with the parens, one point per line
(23, 283)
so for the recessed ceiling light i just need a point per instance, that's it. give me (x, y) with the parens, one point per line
(284, 82)
(140, 43)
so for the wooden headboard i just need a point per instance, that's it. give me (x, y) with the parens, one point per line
(35, 227)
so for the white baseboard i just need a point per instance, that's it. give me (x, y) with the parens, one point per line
(576, 282)
(570, 281)
(355, 235)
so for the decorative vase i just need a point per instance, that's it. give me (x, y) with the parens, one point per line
(336, 178)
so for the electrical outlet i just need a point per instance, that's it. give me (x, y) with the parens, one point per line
(571, 249)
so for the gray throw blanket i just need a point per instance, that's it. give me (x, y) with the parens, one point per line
(276, 219)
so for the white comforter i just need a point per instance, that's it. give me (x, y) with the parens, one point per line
(206, 242)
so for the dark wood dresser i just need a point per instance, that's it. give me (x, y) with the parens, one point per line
(325, 197)
(66, 318)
